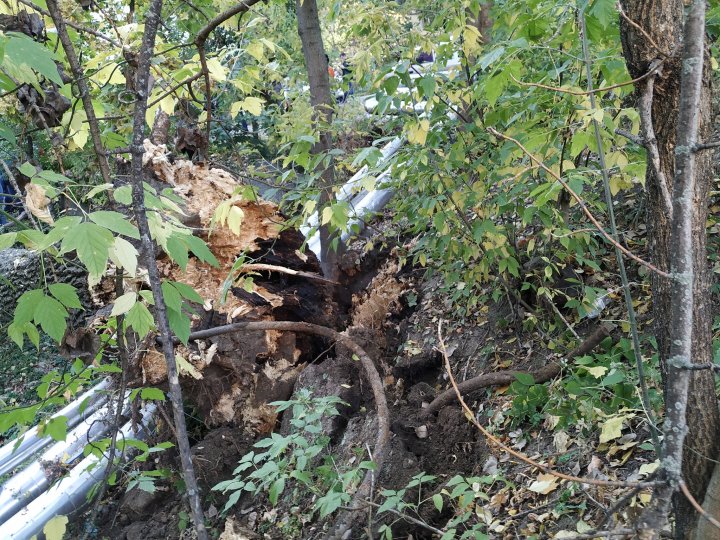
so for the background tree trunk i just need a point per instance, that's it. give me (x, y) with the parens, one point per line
(663, 21)
(316, 63)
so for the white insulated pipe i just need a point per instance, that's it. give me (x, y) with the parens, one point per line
(16, 452)
(362, 203)
(68, 495)
(22, 488)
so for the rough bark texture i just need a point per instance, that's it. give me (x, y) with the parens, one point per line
(21, 271)
(662, 21)
(147, 47)
(321, 99)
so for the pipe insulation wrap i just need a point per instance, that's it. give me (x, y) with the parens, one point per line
(16, 452)
(68, 495)
(36, 477)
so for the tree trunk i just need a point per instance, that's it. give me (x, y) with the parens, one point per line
(663, 22)
(316, 64)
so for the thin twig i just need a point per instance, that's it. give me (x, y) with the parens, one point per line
(78, 73)
(144, 57)
(282, 270)
(639, 362)
(642, 31)
(122, 353)
(410, 519)
(631, 137)
(650, 141)
(582, 92)
(501, 378)
(696, 505)
(582, 204)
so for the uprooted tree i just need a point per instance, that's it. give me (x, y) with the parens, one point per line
(497, 183)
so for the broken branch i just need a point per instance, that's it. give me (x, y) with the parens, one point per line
(503, 378)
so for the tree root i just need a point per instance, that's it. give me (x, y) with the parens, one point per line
(501, 378)
(347, 520)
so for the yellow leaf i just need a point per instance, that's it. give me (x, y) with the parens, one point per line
(109, 74)
(326, 215)
(417, 132)
(167, 104)
(79, 129)
(234, 219)
(256, 50)
(216, 69)
(55, 528)
(186, 368)
(649, 468)
(251, 104)
(611, 428)
(597, 371)
(544, 484)
(471, 40)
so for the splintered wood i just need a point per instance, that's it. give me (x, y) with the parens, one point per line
(232, 377)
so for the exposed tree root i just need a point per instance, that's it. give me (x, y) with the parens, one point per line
(349, 518)
(507, 377)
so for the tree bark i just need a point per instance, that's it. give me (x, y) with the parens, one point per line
(662, 22)
(321, 100)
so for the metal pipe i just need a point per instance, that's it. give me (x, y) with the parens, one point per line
(68, 496)
(16, 452)
(35, 478)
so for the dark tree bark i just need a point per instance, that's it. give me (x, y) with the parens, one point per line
(660, 44)
(321, 100)
(147, 48)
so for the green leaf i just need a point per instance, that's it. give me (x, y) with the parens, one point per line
(27, 169)
(22, 50)
(438, 502)
(275, 490)
(15, 332)
(124, 255)
(171, 295)
(7, 133)
(116, 222)
(97, 189)
(178, 250)
(54, 178)
(154, 394)
(490, 58)
(390, 85)
(123, 194)
(188, 292)
(27, 303)
(32, 334)
(525, 378)
(7, 240)
(55, 528)
(66, 294)
(51, 316)
(140, 319)
(56, 427)
(123, 304)
(179, 324)
(201, 250)
(91, 242)
(427, 85)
